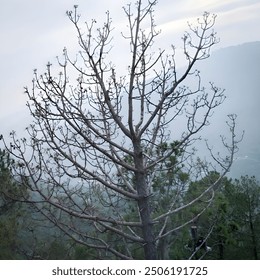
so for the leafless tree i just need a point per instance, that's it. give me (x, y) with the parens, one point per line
(97, 144)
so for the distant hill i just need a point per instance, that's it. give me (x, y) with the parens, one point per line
(237, 70)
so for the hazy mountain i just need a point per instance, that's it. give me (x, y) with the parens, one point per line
(237, 70)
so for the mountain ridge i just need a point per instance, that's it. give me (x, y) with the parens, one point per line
(237, 70)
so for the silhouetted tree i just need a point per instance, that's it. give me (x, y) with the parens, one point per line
(96, 145)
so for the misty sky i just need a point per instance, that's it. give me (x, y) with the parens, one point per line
(34, 32)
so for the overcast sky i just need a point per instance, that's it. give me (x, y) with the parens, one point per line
(34, 32)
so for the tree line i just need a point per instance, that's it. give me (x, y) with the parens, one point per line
(227, 229)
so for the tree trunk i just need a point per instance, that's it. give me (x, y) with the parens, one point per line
(163, 247)
(147, 229)
(221, 249)
(144, 205)
(253, 236)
